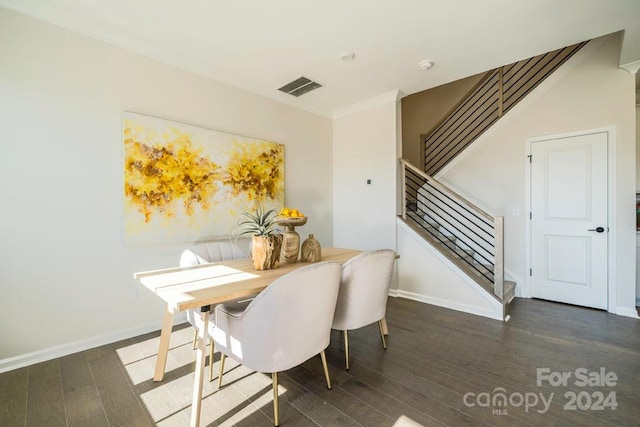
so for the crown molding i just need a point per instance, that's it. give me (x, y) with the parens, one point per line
(631, 67)
(385, 98)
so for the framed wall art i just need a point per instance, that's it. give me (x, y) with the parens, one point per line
(185, 183)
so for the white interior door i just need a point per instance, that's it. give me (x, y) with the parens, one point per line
(569, 222)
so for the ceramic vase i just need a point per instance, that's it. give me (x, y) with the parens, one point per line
(290, 245)
(311, 250)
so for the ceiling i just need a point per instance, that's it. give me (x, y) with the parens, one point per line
(261, 45)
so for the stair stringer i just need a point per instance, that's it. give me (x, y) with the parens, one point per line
(426, 275)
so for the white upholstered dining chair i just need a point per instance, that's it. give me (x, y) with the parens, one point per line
(364, 289)
(286, 324)
(205, 253)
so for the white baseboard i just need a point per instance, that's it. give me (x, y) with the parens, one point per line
(393, 293)
(43, 355)
(450, 304)
(628, 312)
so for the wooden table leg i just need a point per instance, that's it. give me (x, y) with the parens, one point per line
(163, 350)
(385, 331)
(201, 354)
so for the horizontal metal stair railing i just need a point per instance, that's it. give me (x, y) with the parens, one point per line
(497, 92)
(469, 236)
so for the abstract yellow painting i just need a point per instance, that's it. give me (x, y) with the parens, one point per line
(185, 183)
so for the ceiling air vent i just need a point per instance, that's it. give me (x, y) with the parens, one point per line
(300, 86)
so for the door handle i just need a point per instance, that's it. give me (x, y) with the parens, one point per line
(597, 229)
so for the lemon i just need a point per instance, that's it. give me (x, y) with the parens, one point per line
(291, 213)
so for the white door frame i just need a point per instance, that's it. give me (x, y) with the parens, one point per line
(611, 206)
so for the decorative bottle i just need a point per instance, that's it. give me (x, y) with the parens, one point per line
(290, 245)
(311, 251)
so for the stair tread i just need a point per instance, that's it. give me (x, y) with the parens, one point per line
(457, 251)
(509, 291)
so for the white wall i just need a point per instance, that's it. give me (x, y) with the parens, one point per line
(65, 275)
(637, 147)
(594, 94)
(426, 275)
(365, 147)
(637, 190)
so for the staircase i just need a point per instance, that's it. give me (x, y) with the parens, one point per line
(493, 96)
(469, 238)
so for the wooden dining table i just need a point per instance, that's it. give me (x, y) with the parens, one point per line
(201, 287)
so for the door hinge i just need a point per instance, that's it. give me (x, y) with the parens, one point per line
(530, 215)
(531, 272)
(530, 156)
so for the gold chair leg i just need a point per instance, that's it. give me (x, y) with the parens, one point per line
(276, 414)
(384, 343)
(222, 357)
(211, 351)
(385, 330)
(346, 349)
(326, 369)
(195, 337)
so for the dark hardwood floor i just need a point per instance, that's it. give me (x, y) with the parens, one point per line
(441, 368)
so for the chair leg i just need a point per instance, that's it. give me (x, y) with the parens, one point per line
(222, 357)
(384, 343)
(276, 411)
(211, 351)
(346, 349)
(195, 338)
(385, 330)
(326, 369)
